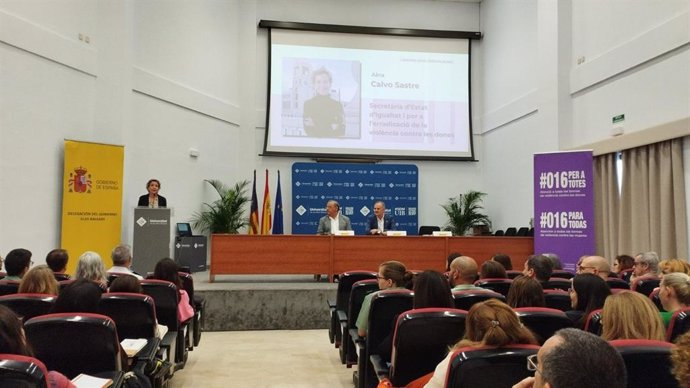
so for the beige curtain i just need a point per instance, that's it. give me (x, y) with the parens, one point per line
(606, 205)
(652, 208)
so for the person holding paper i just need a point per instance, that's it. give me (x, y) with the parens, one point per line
(333, 221)
(323, 116)
(152, 199)
(380, 222)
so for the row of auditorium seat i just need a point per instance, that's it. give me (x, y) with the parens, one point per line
(129, 315)
(354, 350)
(524, 231)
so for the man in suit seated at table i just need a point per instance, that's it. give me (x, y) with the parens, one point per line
(380, 222)
(333, 221)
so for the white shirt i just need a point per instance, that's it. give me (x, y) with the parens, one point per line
(380, 223)
(124, 270)
(335, 224)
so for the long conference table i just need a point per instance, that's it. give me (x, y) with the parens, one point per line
(235, 254)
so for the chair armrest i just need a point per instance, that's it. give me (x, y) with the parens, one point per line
(168, 344)
(331, 304)
(381, 367)
(342, 316)
(356, 339)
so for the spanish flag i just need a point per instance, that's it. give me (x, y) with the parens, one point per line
(266, 212)
(254, 214)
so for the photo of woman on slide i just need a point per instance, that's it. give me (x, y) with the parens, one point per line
(323, 116)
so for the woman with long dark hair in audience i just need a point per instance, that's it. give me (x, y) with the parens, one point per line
(504, 260)
(587, 293)
(81, 296)
(489, 323)
(674, 293)
(392, 275)
(525, 291)
(13, 341)
(39, 280)
(621, 263)
(431, 289)
(167, 269)
(631, 315)
(492, 270)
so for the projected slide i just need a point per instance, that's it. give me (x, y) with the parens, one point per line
(368, 96)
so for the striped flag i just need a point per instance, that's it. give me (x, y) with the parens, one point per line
(278, 213)
(254, 214)
(266, 212)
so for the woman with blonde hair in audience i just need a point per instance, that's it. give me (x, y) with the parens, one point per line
(525, 291)
(13, 341)
(39, 280)
(392, 275)
(680, 356)
(674, 293)
(90, 267)
(490, 323)
(674, 265)
(631, 315)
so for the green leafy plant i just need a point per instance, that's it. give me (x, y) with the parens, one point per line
(225, 215)
(464, 212)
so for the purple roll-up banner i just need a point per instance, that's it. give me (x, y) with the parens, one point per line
(564, 205)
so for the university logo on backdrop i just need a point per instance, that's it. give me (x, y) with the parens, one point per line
(92, 198)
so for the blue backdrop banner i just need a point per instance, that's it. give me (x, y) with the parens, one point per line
(356, 187)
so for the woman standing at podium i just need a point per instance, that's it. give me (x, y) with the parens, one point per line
(152, 199)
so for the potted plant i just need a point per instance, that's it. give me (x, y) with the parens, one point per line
(225, 215)
(464, 213)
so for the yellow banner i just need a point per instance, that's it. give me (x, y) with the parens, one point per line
(91, 199)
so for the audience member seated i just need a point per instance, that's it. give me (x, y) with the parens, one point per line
(680, 356)
(492, 270)
(598, 364)
(13, 341)
(645, 264)
(555, 261)
(504, 260)
(392, 275)
(90, 267)
(452, 256)
(126, 283)
(463, 274)
(489, 323)
(631, 315)
(431, 289)
(17, 263)
(623, 266)
(57, 261)
(538, 267)
(525, 292)
(122, 261)
(674, 265)
(596, 265)
(674, 293)
(81, 296)
(39, 280)
(588, 293)
(167, 269)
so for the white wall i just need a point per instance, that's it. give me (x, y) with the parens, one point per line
(161, 77)
(634, 60)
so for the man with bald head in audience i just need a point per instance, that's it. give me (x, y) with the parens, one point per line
(463, 274)
(596, 265)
